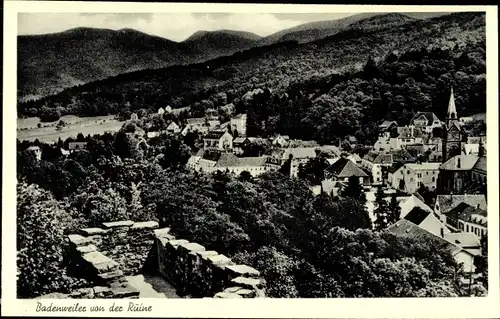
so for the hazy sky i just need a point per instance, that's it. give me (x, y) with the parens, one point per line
(173, 26)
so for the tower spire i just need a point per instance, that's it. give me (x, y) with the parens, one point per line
(452, 110)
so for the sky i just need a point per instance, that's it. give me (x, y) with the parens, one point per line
(173, 26)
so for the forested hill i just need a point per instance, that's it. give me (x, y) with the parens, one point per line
(50, 62)
(387, 69)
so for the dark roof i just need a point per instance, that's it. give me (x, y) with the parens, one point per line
(196, 120)
(214, 135)
(429, 116)
(395, 167)
(378, 158)
(410, 132)
(417, 215)
(402, 155)
(448, 202)
(344, 167)
(480, 164)
(227, 159)
(408, 229)
(464, 212)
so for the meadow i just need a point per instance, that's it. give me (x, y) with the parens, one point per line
(27, 128)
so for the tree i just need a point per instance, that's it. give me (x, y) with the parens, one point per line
(481, 262)
(381, 211)
(394, 210)
(354, 190)
(40, 234)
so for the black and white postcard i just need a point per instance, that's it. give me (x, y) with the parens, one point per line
(317, 161)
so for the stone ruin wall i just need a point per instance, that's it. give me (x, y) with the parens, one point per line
(106, 255)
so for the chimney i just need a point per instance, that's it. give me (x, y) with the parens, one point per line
(458, 162)
(442, 232)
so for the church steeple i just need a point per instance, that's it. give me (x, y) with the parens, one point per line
(452, 110)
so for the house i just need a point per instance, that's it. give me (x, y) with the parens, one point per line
(76, 146)
(391, 171)
(456, 172)
(161, 111)
(195, 125)
(211, 112)
(280, 141)
(407, 204)
(211, 162)
(134, 117)
(405, 228)
(409, 177)
(219, 140)
(426, 120)
(193, 160)
(153, 134)
(426, 219)
(173, 128)
(478, 173)
(355, 158)
(301, 155)
(387, 126)
(375, 163)
(466, 241)
(444, 203)
(332, 188)
(37, 151)
(64, 152)
(468, 219)
(408, 135)
(343, 169)
(239, 124)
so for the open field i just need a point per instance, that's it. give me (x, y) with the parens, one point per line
(27, 128)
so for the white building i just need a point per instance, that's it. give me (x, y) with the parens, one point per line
(239, 124)
(375, 162)
(409, 177)
(219, 140)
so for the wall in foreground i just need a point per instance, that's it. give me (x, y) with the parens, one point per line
(105, 255)
(198, 272)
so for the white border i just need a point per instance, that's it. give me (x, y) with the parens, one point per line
(277, 308)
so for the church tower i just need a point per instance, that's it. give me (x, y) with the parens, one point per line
(452, 137)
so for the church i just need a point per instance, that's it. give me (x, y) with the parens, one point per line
(456, 171)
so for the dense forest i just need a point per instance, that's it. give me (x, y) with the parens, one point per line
(304, 246)
(341, 85)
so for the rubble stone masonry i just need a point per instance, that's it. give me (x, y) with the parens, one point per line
(106, 255)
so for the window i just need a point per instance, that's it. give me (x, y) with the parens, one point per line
(419, 175)
(433, 179)
(467, 228)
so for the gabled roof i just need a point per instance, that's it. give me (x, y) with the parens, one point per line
(214, 135)
(395, 167)
(465, 212)
(344, 167)
(464, 240)
(299, 152)
(408, 229)
(480, 165)
(239, 116)
(386, 124)
(417, 215)
(239, 140)
(429, 116)
(407, 205)
(173, 125)
(423, 166)
(226, 160)
(402, 155)
(448, 202)
(475, 139)
(378, 158)
(252, 161)
(196, 120)
(410, 132)
(460, 163)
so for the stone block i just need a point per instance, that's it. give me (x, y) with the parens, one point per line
(242, 271)
(144, 225)
(226, 295)
(124, 291)
(100, 262)
(250, 283)
(82, 293)
(92, 231)
(79, 240)
(86, 249)
(111, 276)
(219, 259)
(162, 232)
(120, 224)
(102, 292)
(193, 247)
